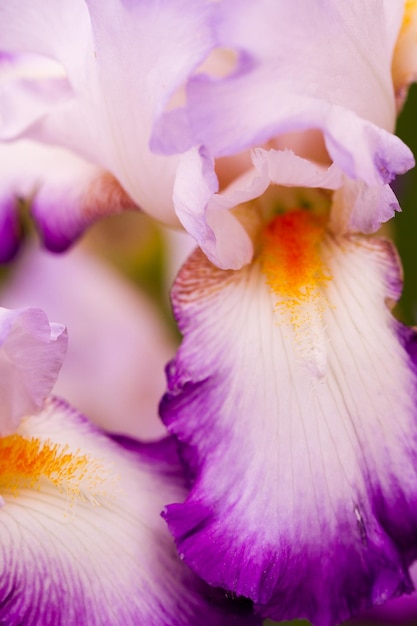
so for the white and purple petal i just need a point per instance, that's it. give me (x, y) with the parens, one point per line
(81, 538)
(351, 207)
(31, 354)
(65, 194)
(296, 417)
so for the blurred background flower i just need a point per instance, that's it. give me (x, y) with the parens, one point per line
(111, 293)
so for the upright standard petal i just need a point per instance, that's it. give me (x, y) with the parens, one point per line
(293, 398)
(123, 62)
(299, 70)
(302, 66)
(81, 539)
(31, 354)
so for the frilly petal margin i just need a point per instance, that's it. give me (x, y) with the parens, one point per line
(82, 541)
(300, 438)
(208, 215)
(32, 351)
(204, 213)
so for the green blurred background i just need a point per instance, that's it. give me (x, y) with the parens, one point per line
(405, 224)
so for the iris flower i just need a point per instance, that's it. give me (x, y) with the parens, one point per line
(293, 398)
(82, 541)
(293, 394)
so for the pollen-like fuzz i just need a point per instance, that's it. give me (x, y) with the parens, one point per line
(291, 258)
(410, 8)
(25, 462)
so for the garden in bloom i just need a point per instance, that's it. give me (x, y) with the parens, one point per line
(208, 389)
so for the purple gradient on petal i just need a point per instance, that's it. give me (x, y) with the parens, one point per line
(162, 452)
(293, 569)
(202, 538)
(326, 568)
(163, 456)
(64, 208)
(54, 237)
(53, 592)
(408, 337)
(392, 158)
(393, 273)
(10, 230)
(57, 242)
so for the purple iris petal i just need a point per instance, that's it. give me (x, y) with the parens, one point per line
(298, 429)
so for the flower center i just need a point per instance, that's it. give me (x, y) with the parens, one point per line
(291, 256)
(292, 261)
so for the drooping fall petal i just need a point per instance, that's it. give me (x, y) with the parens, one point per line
(293, 399)
(81, 539)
